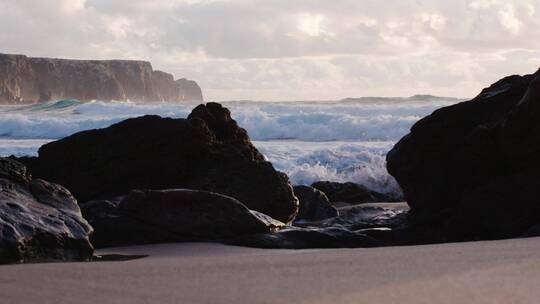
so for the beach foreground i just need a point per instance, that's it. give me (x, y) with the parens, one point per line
(479, 272)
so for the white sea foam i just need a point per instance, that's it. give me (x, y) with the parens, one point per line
(308, 162)
(310, 141)
(308, 121)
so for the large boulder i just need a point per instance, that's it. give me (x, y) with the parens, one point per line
(472, 169)
(175, 215)
(38, 220)
(207, 151)
(314, 205)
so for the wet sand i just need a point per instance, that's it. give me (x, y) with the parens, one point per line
(481, 272)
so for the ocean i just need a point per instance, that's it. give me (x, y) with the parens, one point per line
(310, 141)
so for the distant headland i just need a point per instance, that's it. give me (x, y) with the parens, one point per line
(26, 79)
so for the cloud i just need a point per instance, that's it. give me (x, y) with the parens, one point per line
(282, 49)
(313, 25)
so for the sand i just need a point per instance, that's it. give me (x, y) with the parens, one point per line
(481, 272)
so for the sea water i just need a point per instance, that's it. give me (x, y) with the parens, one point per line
(341, 141)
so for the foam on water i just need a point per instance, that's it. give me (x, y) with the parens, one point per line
(308, 162)
(308, 121)
(310, 141)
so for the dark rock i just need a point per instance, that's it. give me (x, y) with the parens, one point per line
(533, 231)
(367, 225)
(207, 151)
(179, 215)
(351, 193)
(25, 79)
(471, 170)
(306, 238)
(313, 204)
(38, 220)
(367, 216)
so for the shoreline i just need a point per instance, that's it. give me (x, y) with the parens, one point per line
(474, 272)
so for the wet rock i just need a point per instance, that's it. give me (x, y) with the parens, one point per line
(306, 238)
(38, 220)
(470, 170)
(352, 193)
(313, 204)
(208, 151)
(368, 225)
(179, 215)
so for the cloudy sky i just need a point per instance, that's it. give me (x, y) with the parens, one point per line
(291, 49)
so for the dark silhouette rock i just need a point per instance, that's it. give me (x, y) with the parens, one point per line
(351, 193)
(365, 225)
(26, 80)
(38, 220)
(307, 238)
(470, 170)
(207, 151)
(178, 215)
(313, 204)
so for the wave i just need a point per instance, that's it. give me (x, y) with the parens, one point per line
(307, 121)
(309, 162)
(304, 162)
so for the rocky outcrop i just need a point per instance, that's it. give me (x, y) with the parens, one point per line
(352, 193)
(207, 151)
(178, 215)
(313, 204)
(367, 225)
(470, 170)
(38, 220)
(25, 80)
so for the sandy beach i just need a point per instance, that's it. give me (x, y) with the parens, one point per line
(481, 272)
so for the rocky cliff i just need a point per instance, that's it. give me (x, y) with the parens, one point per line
(25, 80)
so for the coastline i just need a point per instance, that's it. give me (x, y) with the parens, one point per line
(476, 272)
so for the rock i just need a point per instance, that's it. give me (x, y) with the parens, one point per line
(24, 80)
(207, 151)
(307, 238)
(178, 215)
(351, 193)
(370, 215)
(366, 225)
(470, 170)
(533, 231)
(313, 204)
(38, 220)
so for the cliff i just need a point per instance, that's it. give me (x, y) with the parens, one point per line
(25, 80)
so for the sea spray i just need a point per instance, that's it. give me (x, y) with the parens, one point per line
(310, 141)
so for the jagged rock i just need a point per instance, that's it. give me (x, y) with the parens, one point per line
(207, 151)
(471, 170)
(38, 220)
(307, 238)
(366, 225)
(177, 215)
(24, 79)
(351, 193)
(313, 204)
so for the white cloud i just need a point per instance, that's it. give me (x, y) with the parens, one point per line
(313, 25)
(435, 21)
(481, 4)
(509, 20)
(70, 6)
(282, 49)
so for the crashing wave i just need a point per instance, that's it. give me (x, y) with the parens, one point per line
(307, 121)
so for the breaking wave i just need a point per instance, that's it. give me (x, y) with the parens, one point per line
(307, 121)
(310, 141)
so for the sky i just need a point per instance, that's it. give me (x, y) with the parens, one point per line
(291, 49)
